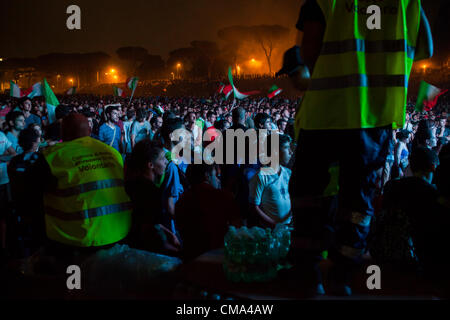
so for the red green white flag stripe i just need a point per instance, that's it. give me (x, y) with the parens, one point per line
(227, 91)
(160, 110)
(15, 90)
(51, 101)
(118, 92)
(132, 83)
(35, 90)
(71, 91)
(427, 96)
(274, 91)
(237, 94)
(222, 86)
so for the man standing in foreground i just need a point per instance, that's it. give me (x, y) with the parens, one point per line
(356, 96)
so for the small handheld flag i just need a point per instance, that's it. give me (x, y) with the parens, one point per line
(132, 83)
(274, 91)
(237, 94)
(427, 96)
(51, 101)
(71, 91)
(118, 92)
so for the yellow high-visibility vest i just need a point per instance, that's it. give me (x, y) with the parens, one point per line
(360, 79)
(89, 206)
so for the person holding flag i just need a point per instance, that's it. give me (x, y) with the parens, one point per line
(131, 84)
(356, 95)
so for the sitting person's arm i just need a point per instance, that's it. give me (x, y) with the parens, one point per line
(170, 241)
(265, 220)
(9, 153)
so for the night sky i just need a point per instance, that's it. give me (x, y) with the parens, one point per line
(30, 28)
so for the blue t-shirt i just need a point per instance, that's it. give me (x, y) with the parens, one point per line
(106, 134)
(171, 188)
(32, 119)
(140, 131)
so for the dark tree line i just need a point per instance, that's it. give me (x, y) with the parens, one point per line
(202, 59)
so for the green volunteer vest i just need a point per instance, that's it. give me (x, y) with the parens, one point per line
(90, 206)
(360, 79)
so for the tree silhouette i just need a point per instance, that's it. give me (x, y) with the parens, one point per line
(152, 67)
(268, 37)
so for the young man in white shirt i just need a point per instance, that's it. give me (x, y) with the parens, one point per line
(268, 190)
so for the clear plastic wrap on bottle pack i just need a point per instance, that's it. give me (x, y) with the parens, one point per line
(252, 255)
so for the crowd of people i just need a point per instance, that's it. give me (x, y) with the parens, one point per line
(184, 210)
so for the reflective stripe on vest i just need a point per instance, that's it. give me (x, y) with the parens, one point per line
(361, 45)
(89, 213)
(87, 187)
(360, 78)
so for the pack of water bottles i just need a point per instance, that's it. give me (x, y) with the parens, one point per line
(254, 255)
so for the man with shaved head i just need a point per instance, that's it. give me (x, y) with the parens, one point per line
(85, 204)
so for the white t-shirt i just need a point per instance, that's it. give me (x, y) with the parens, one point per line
(270, 192)
(4, 145)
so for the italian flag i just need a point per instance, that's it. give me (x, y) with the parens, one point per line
(227, 91)
(274, 91)
(15, 91)
(237, 94)
(159, 110)
(118, 92)
(428, 96)
(51, 101)
(132, 83)
(71, 91)
(34, 91)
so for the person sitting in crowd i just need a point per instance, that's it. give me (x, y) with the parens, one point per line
(53, 133)
(79, 222)
(269, 195)
(26, 176)
(401, 154)
(172, 186)
(25, 108)
(145, 167)
(204, 212)
(405, 229)
(423, 135)
(16, 123)
(262, 121)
